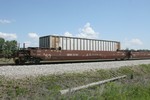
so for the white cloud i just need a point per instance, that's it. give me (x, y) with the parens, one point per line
(33, 40)
(8, 36)
(33, 36)
(68, 34)
(86, 32)
(134, 43)
(5, 21)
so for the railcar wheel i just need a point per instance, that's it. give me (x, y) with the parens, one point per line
(22, 62)
(116, 59)
(17, 62)
(37, 61)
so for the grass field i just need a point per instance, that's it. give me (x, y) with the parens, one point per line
(135, 87)
(6, 61)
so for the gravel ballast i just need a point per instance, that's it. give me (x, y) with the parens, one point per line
(36, 70)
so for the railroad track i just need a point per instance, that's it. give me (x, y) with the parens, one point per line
(56, 62)
(67, 62)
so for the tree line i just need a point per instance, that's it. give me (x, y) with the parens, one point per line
(7, 48)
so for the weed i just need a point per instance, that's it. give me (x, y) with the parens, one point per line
(47, 87)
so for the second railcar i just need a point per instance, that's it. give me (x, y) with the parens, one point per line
(140, 55)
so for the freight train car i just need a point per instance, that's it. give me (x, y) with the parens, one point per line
(37, 55)
(61, 48)
(52, 48)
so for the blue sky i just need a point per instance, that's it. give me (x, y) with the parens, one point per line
(126, 21)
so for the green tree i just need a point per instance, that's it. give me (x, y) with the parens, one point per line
(9, 48)
(2, 41)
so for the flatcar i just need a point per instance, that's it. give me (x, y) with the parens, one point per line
(61, 48)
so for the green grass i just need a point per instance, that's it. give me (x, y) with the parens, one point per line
(135, 87)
